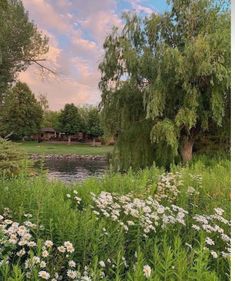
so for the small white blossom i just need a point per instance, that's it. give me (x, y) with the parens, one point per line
(44, 275)
(209, 241)
(72, 274)
(147, 271)
(72, 263)
(214, 254)
(48, 243)
(102, 264)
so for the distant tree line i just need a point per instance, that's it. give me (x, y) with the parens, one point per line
(22, 115)
(73, 119)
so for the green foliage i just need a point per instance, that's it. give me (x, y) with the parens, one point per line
(50, 119)
(21, 114)
(97, 238)
(69, 120)
(173, 67)
(91, 120)
(165, 131)
(21, 43)
(12, 159)
(93, 126)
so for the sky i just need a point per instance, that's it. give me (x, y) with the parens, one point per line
(76, 30)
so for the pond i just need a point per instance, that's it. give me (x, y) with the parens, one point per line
(72, 170)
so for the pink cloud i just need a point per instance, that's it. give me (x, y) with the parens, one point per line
(104, 20)
(45, 14)
(76, 60)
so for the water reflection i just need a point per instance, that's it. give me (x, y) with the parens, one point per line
(70, 170)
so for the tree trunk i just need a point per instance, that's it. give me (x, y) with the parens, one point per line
(93, 142)
(69, 139)
(187, 150)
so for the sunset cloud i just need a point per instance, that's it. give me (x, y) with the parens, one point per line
(76, 31)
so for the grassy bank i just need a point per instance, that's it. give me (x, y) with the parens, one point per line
(78, 148)
(137, 226)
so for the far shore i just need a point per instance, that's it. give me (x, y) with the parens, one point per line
(38, 156)
(75, 150)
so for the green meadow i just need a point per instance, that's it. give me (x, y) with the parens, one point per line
(57, 148)
(146, 225)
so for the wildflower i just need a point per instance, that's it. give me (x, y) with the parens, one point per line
(68, 195)
(78, 199)
(72, 274)
(225, 237)
(21, 253)
(44, 275)
(214, 254)
(22, 242)
(28, 215)
(102, 264)
(48, 243)
(12, 241)
(219, 211)
(209, 241)
(147, 271)
(69, 246)
(147, 209)
(130, 223)
(45, 253)
(42, 264)
(160, 210)
(8, 221)
(28, 275)
(36, 260)
(31, 244)
(190, 190)
(22, 230)
(86, 278)
(72, 263)
(61, 249)
(225, 255)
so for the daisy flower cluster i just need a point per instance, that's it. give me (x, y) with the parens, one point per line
(155, 213)
(168, 187)
(130, 211)
(18, 246)
(74, 196)
(215, 225)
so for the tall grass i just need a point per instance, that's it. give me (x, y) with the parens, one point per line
(176, 252)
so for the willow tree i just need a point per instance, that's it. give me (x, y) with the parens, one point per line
(167, 77)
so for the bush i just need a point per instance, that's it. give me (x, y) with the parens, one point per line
(12, 159)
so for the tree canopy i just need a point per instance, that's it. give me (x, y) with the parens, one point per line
(69, 120)
(21, 114)
(91, 121)
(21, 43)
(166, 80)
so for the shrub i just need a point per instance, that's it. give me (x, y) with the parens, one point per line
(12, 159)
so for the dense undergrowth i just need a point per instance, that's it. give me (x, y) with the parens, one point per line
(137, 226)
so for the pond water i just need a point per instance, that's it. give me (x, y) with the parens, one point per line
(72, 170)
